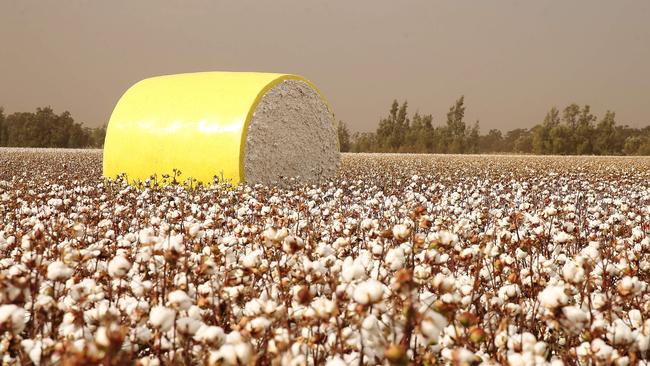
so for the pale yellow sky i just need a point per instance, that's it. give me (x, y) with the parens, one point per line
(512, 60)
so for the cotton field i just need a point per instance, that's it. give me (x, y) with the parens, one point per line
(403, 259)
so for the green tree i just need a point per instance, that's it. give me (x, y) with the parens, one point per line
(541, 140)
(364, 142)
(401, 128)
(570, 115)
(456, 127)
(491, 142)
(97, 136)
(524, 144)
(344, 137)
(644, 147)
(19, 129)
(386, 128)
(44, 128)
(606, 135)
(561, 137)
(513, 140)
(569, 131)
(584, 132)
(3, 128)
(419, 138)
(393, 129)
(473, 138)
(440, 140)
(632, 145)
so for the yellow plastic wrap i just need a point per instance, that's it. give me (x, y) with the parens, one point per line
(196, 123)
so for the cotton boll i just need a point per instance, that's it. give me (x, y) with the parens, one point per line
(460, 356)
(352, 270)
(292, 244)
(430, 332)
(550, 211)
(325, 250)
(137, 289)
(188, 326)
(58, 271)
(235, 354)
(210, 334)
(575, 314)
(573, 273)
(629, 285)
(552, 297)
(622, 361)
(336, 361)
(110, 234)
(432, 325)
(179, 300)
(102, 338)
(149, 361)
(258, 324)
(44, 302)
(401, 232)
(444, 283)
(366, 224)
(600, 349)
(227, 354)
(162, 317)
(34, 349)
(323, 307)
(195, 312)
(561, 237)
(118, 267)
(251, 260)
(509, 291)
(234, 337)
(643, 338)
(370, 323)
(12, 317)
(636, 318)
(194, 229)
(174, 244)
(146, 236)
(253, 307)
(244, 353)
(395, 258)
(520, 254)
(591, 252)
(518, 359)
(577, 318)
(142, 335)
(368, 292)
(619, 333)
(341, 243)
(377, 249)
(539, 348)
(442, 258)
(599, 300)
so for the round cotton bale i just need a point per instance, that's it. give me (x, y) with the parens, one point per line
(253, 127)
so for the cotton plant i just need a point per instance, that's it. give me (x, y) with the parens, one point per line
(399, 259)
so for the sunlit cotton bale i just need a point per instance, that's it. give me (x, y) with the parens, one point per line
(233, 126)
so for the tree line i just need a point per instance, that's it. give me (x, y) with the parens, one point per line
(44, 128)
(573, 131)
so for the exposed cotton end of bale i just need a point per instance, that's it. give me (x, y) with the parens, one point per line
(291, 134)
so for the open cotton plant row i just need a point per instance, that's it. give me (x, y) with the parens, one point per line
(400, 260)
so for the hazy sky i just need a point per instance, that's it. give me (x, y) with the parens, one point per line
(512, 60)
